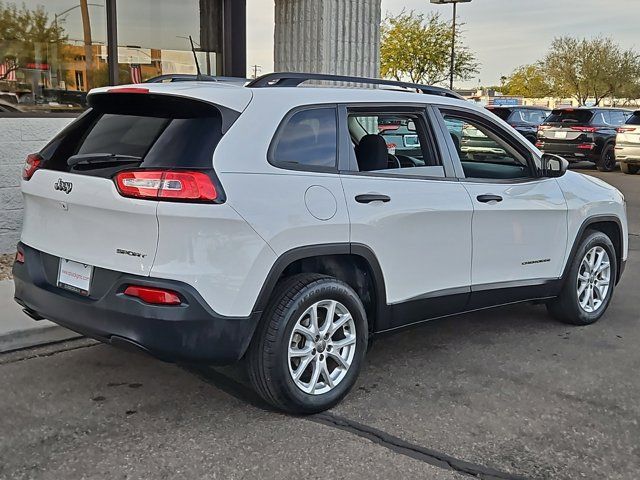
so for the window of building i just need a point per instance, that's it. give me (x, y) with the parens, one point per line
(308, 140)
(52, 52)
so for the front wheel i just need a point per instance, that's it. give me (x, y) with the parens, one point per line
(607, 161)
(590, 281)
(630, 169)
(309, 347)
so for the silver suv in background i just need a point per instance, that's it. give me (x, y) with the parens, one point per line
(628, 144)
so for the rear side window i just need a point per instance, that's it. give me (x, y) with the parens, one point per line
(634, 119)
(570, 116)
(308, 140)
(534, 117)
(503, 113)
(616, 118)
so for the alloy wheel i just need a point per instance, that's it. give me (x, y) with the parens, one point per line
(594, 277)
(322, 347)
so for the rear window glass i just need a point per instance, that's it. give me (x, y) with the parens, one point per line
(570, 116)
(123, 135)
(308, 140)
(109, 138)
(634, 119)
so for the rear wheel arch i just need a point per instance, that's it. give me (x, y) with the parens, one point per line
(354, 264)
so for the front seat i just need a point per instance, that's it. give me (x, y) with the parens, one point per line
(372, 153)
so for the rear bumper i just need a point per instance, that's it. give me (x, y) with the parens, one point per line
(570, 151)
(628, 153)
(190, 332)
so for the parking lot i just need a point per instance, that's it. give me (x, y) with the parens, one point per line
(505, 393)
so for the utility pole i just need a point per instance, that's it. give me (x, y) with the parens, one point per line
(256, 69)
(453, 35)
(453, 45)
(88, 47)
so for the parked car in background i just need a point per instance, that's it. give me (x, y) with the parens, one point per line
(8, 107)
(628, 144)
(525, 119)
(579, 134)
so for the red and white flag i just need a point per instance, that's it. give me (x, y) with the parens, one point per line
(8, 71)
(136, 73)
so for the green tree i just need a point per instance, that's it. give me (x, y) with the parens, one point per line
(586, 68)
(528, 81)
(418, 48)
(26, 35)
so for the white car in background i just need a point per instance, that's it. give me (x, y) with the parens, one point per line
(628, 144)
(204, 222)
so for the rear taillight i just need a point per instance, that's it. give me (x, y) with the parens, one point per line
(155, 296)
(543, 127)
(539, 144)
(167, 185)
(19, 257)
(586, 146)
(128, 90)
(584, 129)
(31, 164)
(625, 129)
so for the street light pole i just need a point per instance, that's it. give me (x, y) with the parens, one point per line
(453, 35)
(453, 45)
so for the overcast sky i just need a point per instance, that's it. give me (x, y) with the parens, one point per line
(503, 33)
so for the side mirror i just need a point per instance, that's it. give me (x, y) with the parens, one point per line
(554, 166)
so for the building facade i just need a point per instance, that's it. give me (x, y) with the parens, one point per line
(52, 52)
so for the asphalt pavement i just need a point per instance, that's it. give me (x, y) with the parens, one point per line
(504, 393)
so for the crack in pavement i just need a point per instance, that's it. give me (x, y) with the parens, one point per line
(46, 350)
(395, 444)
(246, 394)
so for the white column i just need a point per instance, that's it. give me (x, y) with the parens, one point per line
(339, 37)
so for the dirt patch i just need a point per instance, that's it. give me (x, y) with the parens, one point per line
(6, 263)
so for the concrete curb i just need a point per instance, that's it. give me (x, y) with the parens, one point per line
(33, 337)
(17, 330)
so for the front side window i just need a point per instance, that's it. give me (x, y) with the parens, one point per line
(392, 143)
(308, 141)
(483, 153)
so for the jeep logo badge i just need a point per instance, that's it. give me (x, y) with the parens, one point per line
(63, 186)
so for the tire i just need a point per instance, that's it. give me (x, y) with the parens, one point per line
(567, 307)
(607, 161)
(532, 139)
(629, 169)
(272, 370)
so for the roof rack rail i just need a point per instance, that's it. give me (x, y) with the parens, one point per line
(291, 79)
(188, 77)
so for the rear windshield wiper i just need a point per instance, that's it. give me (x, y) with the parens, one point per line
(91, 158)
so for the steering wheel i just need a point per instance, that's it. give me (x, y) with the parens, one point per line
(393, 159)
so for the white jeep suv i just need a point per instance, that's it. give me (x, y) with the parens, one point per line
(203, 222)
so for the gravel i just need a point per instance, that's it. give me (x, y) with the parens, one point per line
(6, 262)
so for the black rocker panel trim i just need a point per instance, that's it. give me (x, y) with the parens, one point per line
(419, 309)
